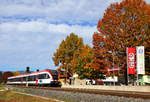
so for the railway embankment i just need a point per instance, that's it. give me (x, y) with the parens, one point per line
(114, 88)
(75, 96)
(13, 96)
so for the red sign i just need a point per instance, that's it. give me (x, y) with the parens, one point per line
(131, 52)
(114, 69)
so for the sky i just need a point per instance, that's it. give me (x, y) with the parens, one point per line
(31, 30)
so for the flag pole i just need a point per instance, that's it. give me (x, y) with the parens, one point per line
(127, 66)
(137, 77)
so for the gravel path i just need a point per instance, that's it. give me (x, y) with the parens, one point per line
(76, 96)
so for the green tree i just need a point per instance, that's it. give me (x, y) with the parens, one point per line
(68, 50)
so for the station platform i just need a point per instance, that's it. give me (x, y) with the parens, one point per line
(116, 88)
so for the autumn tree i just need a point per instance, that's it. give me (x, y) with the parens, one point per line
(68, 50)
(6, 75)
(15, 73)
(82, 63)
(101, 60)
(124, 24)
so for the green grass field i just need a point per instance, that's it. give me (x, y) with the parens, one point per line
(11, 96)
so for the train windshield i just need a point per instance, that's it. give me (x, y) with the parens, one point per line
(54, 74)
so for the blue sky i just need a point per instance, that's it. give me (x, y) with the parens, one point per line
(31, 30)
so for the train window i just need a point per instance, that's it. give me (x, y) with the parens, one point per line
(43, 76)
(47, 76)
(29, 78)
(17, 79)
(54, 74)
(24, 78)
(14, 79)
(32, 78)
(11, 80)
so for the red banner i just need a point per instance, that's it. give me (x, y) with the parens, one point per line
(131, 52)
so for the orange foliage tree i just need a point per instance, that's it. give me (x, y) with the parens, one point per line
(124, 24)
(100, 60)
(84, 64)
(15, 73)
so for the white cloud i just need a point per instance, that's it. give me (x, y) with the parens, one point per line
(44, 27)
(33, 43)
(70, 11)
(31, 30)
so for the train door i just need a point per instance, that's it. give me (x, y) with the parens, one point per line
(36, 80)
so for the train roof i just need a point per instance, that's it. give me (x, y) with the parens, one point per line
(46, 70)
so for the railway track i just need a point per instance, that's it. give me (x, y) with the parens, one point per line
(129, 94)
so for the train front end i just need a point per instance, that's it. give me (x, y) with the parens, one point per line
(55, 79)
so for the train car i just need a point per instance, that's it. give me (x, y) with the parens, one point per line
(40, 78)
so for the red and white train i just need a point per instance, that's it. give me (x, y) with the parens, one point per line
(41, 78)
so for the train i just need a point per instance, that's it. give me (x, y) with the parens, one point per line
(41, 78)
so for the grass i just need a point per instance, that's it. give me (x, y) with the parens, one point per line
(2, 87)
(11, 96)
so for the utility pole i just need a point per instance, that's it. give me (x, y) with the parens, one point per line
(113, 69)
(66, 70)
